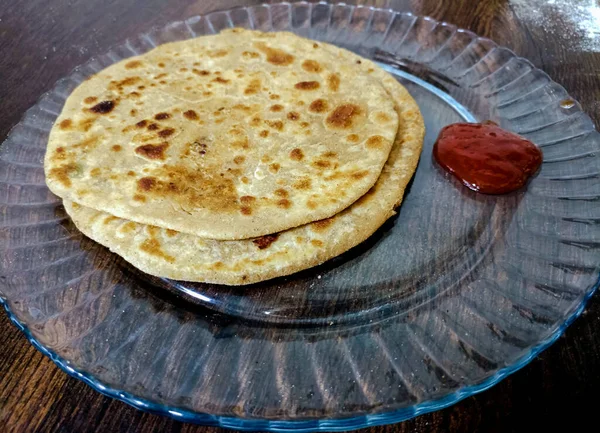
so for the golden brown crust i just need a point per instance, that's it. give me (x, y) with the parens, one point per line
(250, 261)
(200, 105)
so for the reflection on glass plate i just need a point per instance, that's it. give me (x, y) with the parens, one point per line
(446, 299)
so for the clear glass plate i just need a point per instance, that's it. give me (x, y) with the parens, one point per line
(456, 292)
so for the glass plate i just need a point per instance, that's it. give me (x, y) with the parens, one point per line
(456, 292)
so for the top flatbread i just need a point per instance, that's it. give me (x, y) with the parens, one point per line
(229, 136)
(166, 253)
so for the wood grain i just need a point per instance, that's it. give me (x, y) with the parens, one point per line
(41, 41)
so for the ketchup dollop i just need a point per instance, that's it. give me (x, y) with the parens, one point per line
(485, 157)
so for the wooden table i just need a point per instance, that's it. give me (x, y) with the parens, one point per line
(42, 40)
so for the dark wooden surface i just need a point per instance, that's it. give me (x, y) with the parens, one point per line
(42, 40)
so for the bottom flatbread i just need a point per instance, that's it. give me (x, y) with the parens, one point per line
(170, 254)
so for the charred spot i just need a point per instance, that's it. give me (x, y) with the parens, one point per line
(146, 183)
(358, 62)
(117, 148)
(292, 115)
(190, 115)
(297, 154)
(152, 151)
(265, 241)
(167, 132)
(275, 56)
(311, 66)
(333, 82)
(162, 116)
(276, 108)
(318, 106)
(65, 124)
(307, 85)
(103, 107)
(142, 124)
(343, 116)
(153, 127)
(202, 73)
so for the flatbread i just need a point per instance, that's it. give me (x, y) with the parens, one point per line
(228, 136)
(180, 256)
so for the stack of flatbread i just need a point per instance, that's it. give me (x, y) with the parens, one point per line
(234, 158)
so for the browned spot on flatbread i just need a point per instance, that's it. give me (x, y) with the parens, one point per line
(316, 243)
(311, 66)
(153, 247)
(218, 53)
(292, 115)
(246, 210)
(103, 107)
(65, 124)
(239, 159)
(191, 189)
(131, 173)
(253, 87)
(284, 203)
(153, 127)
(171, 233)
(359, 174)
(110, 219)
(152, 151)
(162, 116)
(146, 183)
(265, 241)
(202, 73)
(275, 124)
(117, 148)
(375, 142)
(133, 112)
(274, 97)
(133, 64)
(87, 144)
(297, 154)
(381, 117)
(63, 173)
(275, 56)
(128, 227)
(353, 138)
(319, 226)
(321, 164)
(95, 172)
(333, 82)
(330, 155)
(280, 192)
(142, 124)
(274, 168)
(307, 85)
(190, 115)
(90, 99)
(303, 184)
(318, 106)
(247, 199)
(264, 133)
(276, 108)
(343, 116)
(140, 198)
(250, 54)
(166, 132)
(221, 80)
